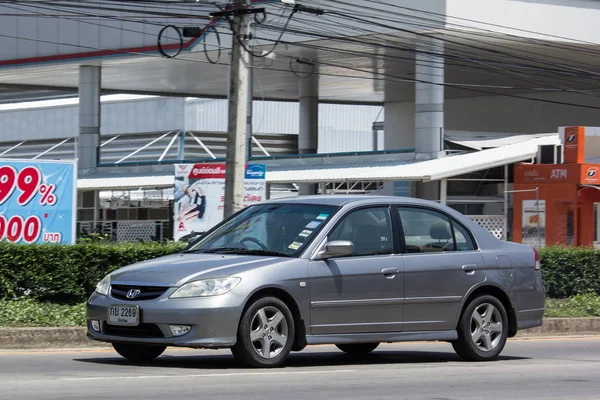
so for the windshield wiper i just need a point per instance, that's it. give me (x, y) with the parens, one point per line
(215, 250)
(237, 250)
(262, 252)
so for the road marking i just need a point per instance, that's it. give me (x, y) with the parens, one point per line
(236, 374)
(170, 349)
(554, 338)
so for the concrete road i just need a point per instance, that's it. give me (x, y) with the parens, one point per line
(566, 368)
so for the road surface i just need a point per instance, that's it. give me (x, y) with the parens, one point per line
(564, 368)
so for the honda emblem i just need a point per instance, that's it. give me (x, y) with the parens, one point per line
(132, 293)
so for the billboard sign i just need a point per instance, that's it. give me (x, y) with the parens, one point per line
(200, 195)
(38, 201)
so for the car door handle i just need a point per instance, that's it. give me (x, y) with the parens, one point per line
(389, 271)
(469, 268)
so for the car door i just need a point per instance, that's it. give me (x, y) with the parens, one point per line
(441, 265)
(363, 292)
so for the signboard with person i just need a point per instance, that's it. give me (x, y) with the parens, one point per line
(200, 196)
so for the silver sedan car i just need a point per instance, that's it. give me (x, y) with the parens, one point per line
(352, 271)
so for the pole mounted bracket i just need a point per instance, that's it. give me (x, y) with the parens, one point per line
(237, 11)
(192, 31)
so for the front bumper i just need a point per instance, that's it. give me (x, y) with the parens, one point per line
(213, 320)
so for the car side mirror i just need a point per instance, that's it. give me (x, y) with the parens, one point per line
(337, 248)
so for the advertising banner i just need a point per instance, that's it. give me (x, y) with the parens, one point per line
(200, 195)
(38, 201)
(532, 219)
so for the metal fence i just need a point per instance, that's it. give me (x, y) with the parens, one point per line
(492, 223)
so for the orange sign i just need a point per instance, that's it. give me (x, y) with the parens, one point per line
(590, 174)
(558, 173)
(574, 145)
(547, 173)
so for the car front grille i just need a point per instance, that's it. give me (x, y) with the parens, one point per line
(145, 292)
(148, 331)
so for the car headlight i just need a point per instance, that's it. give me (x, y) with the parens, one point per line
(104, 285)
(206, 287)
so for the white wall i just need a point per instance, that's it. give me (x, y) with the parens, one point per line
(36, 120)
(138, 116)
(210, 115)
(576, 19)
(342, 128)
(41, 123)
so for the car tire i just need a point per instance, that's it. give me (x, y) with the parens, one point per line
(139, 352)
(482, 330)
(357, 348)
(265, 334)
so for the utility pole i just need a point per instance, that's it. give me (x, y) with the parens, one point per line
(250, 112)
(238, 112)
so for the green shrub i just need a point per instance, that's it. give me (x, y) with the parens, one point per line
(28, 312)
(68, 274)
(569, 271)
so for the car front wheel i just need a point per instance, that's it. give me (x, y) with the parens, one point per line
(265, 334)
(138, 352)
(482, 330)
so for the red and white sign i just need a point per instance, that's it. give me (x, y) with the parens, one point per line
(200, 196)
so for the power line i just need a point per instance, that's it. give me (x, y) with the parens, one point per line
(376, 75)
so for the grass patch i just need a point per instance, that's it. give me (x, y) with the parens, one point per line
(582, 305)
(32, 313)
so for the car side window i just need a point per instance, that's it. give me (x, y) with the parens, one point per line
(426, 230)
(464, 241)
(369, 229)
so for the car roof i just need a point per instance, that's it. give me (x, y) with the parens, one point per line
(350, 200)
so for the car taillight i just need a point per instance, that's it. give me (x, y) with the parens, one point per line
(537, 259)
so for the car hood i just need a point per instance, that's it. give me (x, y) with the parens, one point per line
(177, 269)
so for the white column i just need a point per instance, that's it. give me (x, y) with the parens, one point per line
(398, 131)
(309, 115)
(429, 98)
(89, 118)
(505, 227)
(443, 192)
(399, 125)
(308, 134)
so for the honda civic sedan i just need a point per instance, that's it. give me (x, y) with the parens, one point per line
(353, 271)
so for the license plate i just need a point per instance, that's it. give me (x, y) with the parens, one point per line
(124, 315)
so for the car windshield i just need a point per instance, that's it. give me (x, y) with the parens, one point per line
(267, 229)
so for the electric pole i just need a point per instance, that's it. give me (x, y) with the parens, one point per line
(238, 113)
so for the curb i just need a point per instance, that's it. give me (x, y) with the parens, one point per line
(46, 338)
(75, 337)
(564, 327)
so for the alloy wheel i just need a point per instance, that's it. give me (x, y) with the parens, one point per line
(486, 327)
(269, 332)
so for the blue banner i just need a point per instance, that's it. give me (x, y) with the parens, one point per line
(37, 201)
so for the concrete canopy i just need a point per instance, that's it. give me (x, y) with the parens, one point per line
(364, 63)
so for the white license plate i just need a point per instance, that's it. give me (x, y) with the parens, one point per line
(124, 315)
